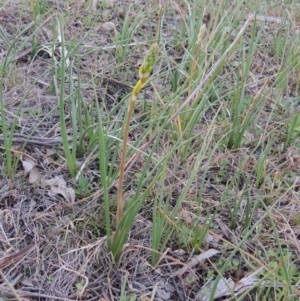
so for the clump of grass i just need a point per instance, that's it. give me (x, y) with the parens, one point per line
(39, 8)
(201, 184)
(122, 229)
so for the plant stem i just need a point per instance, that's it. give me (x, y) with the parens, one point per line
(144, 73)
(120, 201)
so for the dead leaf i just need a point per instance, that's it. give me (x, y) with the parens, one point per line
(34, 175)
(27, 282)
(108, 26)
(226, 231)
(226, 286)
(28, 164)
(48, 32)
(59, 186)
(196, 260)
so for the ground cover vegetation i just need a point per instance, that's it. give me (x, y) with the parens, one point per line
(149, 150)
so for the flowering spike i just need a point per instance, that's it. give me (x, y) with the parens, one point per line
(148, 63)
(144, 73)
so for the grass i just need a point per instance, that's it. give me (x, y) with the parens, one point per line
(192, 194)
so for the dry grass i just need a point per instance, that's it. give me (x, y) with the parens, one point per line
(53, 247)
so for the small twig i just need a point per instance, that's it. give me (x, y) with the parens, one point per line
(16, 257)
(41, 141)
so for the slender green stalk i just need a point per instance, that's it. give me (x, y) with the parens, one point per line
(261, 164)
(69, 157)
(144, 73)
(102, 138)
(7, 136)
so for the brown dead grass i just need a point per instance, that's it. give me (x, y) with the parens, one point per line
(54, 250)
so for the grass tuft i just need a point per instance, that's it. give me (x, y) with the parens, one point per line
(180, 185)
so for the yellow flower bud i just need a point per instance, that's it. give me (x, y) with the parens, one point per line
(149, 62)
